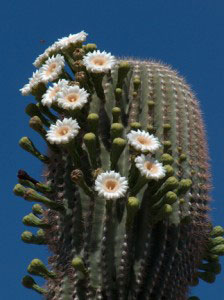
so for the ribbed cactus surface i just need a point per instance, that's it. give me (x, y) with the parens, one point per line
(126, 198)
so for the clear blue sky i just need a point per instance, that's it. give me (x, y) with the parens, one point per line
(186, 34)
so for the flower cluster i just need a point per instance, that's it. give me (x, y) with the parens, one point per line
(51, 65)
(60, 45)
(109, 184)
(146, 143)
(51, 94)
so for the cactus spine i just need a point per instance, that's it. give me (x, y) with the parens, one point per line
(122, 219)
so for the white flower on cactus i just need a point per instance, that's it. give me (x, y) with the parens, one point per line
(143, 141)
(33, 82)
(149, 167)
(51, 94)
(111, 185)
(52, 68)
(63, 131)
(51, 50)
(65, 42)
(99, 62)
(72, 97)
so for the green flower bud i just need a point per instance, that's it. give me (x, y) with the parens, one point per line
(151, 104)
(27, 237)
(37, 209)
(166, 159)
(116, 130)
(116, 112)
(170, 198)
(217, 231)
(89, 48)
(32, 220)
(136, 82)
(37, 267)
(218, 250)
(169, 170)
(19, 190)
(93, 121)
(135, 126)
(166, 127)
(132, 208)
(184, 186)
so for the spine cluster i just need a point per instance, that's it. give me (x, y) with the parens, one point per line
(124, 207)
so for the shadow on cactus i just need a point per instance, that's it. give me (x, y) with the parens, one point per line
(124, 207)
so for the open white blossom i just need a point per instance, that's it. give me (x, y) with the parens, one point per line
(50, 51)
(111, 185)
(63, 131)
(52, 68)
(33, 82)
(149, 167)
(72, 97)
(99, 62)
(51, 94)
(65, 42)
(143, 141)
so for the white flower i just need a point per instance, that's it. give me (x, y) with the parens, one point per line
(143, 141)
(51, 50)
(149, 167)
(99, 62)
(65, 42)
(50, 96)
(33, 82)
(52, 68)
(63, 131)
(72, 97)
(111, 185)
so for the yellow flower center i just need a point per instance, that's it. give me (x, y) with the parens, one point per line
(72, 97)
(111, 185)
(151, 167)
(143, 140)
(99, 61)
(63, 131)
(51, 68)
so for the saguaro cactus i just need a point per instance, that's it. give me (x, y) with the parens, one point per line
(124, 208)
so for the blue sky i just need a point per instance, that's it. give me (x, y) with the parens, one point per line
(186, 34)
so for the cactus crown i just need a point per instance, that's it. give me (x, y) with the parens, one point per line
(124, 208)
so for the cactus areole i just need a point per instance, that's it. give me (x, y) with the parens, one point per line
(124, 205)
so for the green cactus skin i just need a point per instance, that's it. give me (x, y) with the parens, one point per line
(150, 243)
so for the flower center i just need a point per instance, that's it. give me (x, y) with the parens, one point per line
(143, 140)
(73, 97)
(151, 167)
(51, 68)
(99, 61)
(111, 185)
(63, 131)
